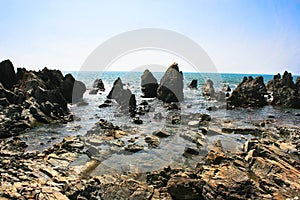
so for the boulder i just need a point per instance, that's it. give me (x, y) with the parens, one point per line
(123, 97)
(284, 91)
(193, 84)
(72, 89)
(149, 84)
(8, 75)
(98, 84)
(208, 89)
(249, 93)
(170, 88)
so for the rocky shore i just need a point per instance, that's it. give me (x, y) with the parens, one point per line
(265, 164)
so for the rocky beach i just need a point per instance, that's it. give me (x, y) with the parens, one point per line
(157, 145)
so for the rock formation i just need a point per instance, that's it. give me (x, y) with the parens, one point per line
(208, 89)
(170, 88)
(193, 84)
(249, 93)
(284, 91)
(149, 84)
(30, 98)
(123, 97)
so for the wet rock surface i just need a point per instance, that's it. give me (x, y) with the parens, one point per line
(31, 98)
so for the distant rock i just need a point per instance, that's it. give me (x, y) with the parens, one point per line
(249, 93)
(226, 88)
(220, 96)
(149, 84)
(284, 91)
(193, 84)
(170, 88)
(208, 89)
(161, 133)
(7, 74)
(98, 83)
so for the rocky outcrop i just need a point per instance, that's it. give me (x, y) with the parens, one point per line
(193, 84)
(8, 75)
(98, 85)
(249, 93)
(208, 89)
(123, 97)
(284, 91)
(149, 84)
(36, 97)
(170, 88)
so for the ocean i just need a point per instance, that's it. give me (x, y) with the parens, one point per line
(171, 149)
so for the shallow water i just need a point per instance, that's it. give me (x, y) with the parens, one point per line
(171, 149)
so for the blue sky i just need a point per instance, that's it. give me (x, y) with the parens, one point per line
(246, 36)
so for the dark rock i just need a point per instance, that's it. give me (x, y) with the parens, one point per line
(134, 148)
(123, 97)
(104, 105)
(208, 89)
(170, 88)
(98, 84)
(212, 108)
(8, 75)
(72, 89)
(297, 114)
(149, 84)
(137, 120)
(161, 133)
(227, 88)
(285, 92)
(176, 119)
(191, 151)
(193, 84)
(4, 102)
(249, 93)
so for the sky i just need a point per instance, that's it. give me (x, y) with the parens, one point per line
(240, 36)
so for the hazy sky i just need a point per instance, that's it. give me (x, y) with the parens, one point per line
(255, 36)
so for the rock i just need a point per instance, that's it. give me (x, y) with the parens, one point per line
(161, 133)
(152, 141)
(98, 84)
(173, 106)
(104, 105)
(8, 75)
(137, 120)
(226, 88)
(249, 93)
(220, 96)
(4, 102)
(149, 84)
(297, 114)
(170, 88)
(212, 108)
(134, 148)
(72, 89)
(123, 97)
(193, 84)
(284, 91)
(191, 151)
(208, 89)
(193, 124)
(158, 116)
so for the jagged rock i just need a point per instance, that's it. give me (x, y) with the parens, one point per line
(134, 148)
(98, 84)
(123, 97)
(249, 93)
(149, 84)
(208, 89)
(284, 91)
(170, 88)
(152, 141)
(161, 133)
(193, 84)
(226, 88)
(8, 75)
